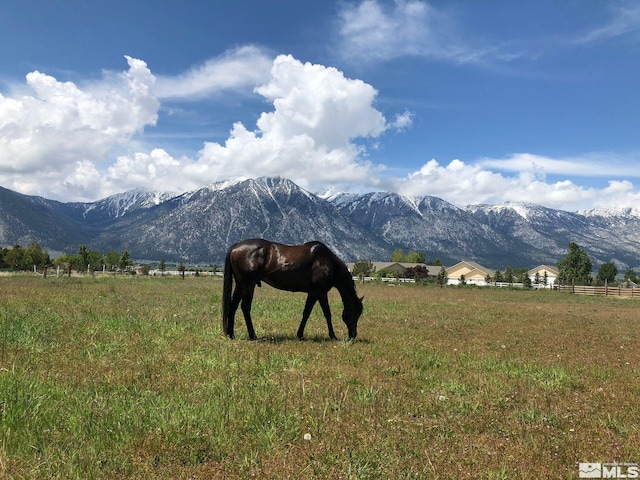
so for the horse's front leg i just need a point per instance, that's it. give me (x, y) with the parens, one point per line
(247, 298)
(324, 303)
(308, 306)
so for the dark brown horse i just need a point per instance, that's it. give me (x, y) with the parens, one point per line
(310, 267)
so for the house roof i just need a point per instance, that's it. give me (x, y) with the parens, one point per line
(544, 268)
(470, 266)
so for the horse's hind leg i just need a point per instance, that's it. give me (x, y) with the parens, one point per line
(324, 303)
(247, 298)
(308, 306)
(235, 301)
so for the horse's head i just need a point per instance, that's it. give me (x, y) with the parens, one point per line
(350, 316)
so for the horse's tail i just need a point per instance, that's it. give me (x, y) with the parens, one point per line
(226, 292)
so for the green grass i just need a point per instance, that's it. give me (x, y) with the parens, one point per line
(131, 378)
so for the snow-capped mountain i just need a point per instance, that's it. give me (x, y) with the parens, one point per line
(120, 204)
(433, 226)
(608, 235)
(199, 226)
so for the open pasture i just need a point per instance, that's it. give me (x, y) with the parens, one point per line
(132, 378)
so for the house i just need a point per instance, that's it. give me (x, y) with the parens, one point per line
(474, 273)
(397, 269)
(541, 271)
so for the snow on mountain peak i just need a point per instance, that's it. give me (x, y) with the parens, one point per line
(120, 203)
(611, 212)
(523, 209)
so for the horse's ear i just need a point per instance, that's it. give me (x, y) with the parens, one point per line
(361, 298)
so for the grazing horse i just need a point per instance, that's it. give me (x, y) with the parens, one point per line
(310, 267)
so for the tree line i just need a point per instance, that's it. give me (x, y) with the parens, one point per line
(575, 268)
(19, 258)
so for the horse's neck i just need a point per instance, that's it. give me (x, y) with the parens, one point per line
(347, 291)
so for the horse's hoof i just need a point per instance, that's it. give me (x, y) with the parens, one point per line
(300, 337)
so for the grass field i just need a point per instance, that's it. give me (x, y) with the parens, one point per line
(131, 378)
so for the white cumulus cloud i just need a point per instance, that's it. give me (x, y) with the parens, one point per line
(469, 184)
(82, 142)
(58, 130)
(309, 136)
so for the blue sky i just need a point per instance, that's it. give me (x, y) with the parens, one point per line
(472, 102)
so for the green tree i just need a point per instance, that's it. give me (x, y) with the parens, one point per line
(606, 273)
(95, 260)
(497, 276)
(15, 258)
(82, 260)
(508, 275)
(525, 279)
(441, 278)
(125, 261)
(630, 276)
(363, 268)
(62, 261)
(35, 255)
(112, 260)
(163, 266)
(3, 252)
(398, 255)
(575, 268)
(414, 257)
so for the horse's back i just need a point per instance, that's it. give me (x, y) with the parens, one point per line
(248, 255)
(257, 253)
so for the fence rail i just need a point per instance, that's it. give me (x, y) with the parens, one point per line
(601, 291)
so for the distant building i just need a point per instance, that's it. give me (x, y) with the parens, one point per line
(542, 270)
(474, 273)
(399, 268)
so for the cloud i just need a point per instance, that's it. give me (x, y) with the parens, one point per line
(57, 129)
(374, 31)
(470, 184)
(595, 164)
(310, 136)
(236, 69)
(403, 121)
(85, 141)
(623, 21)
(58, 138)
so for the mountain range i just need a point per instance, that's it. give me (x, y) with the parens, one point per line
(197, 227)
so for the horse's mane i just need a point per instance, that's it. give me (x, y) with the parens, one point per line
(343, 272)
